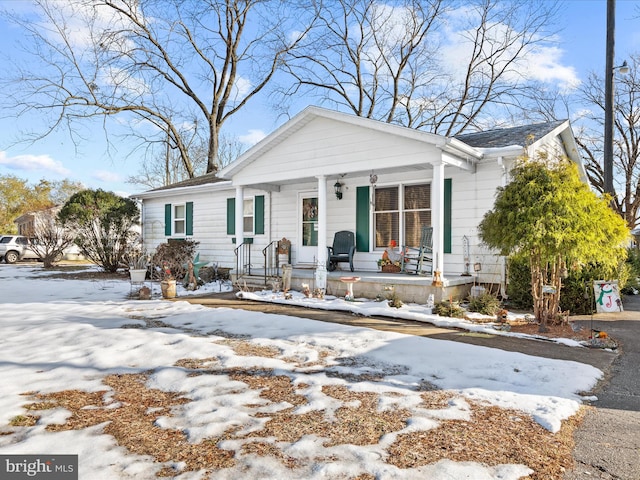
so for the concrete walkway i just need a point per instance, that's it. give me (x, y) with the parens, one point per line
(607, 443)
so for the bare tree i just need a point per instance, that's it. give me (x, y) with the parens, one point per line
(626, 139)
(395, 61)
(164, 68)
(49, 238)
(169, 169)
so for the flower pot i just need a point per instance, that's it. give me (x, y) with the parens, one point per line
(390, 268)
(138, 275)
(168, 288)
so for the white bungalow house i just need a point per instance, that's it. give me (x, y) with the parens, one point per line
(392, 180)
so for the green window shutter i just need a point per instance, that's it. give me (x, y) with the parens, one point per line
(189, 219)
(231, 216)
(167, 219)
(447, 215)
(258, 214)
(362, 219)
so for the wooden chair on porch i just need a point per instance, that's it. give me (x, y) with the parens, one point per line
(419, 260)
(344, 246)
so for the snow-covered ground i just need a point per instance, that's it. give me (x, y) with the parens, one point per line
(61, 334)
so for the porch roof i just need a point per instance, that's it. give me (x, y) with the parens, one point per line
(450, 151)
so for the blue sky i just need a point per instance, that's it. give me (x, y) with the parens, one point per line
(581, 50)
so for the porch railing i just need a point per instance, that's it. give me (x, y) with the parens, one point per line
(243, 260)
(271, 266)
(244, 265)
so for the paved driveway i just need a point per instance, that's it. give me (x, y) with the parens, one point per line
(608, 442)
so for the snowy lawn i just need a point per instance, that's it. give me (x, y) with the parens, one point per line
(140, 389)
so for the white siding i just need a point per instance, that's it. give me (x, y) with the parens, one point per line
(209, 223)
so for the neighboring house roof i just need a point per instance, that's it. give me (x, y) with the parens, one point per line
(505, 137)
(30, 216)
(206, 181)
(207, 178)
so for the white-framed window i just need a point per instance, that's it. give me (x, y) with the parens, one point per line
(248, 215)
(400, 213)
(179, 219)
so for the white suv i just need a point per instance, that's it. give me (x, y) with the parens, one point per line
(16, 247)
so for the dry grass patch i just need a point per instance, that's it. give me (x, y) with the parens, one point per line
(132, 423)
(359, 424)
(196, 363)
(276, 388)
(249, 349)
(24, 421)
(493, 436)
(436, 399)
(129, 411)
(364, 423)
(323, 354)
(264, 449)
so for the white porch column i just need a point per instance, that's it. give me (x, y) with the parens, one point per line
(437, 216)
(321, 271)
(239, 215)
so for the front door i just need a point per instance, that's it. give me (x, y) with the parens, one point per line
(308, 215)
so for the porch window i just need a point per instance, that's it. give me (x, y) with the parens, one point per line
(387, 216)
(417, 212)
(248, 215)
(406, 209)
(179, 219)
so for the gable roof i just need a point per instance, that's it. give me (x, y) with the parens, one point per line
(449, 145)
(505, 137)
(472, 146)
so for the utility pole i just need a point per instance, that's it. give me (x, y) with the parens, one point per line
(608, 99)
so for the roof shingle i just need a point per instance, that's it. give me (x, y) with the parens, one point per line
(505, 137)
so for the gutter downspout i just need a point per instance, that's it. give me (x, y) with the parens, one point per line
(503, 267)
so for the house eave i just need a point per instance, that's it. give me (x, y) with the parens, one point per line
(510, 151)
(206, 187)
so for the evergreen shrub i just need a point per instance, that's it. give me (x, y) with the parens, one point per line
(449, 309)
(486, 304)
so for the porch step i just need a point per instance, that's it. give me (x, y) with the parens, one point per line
(255, 282)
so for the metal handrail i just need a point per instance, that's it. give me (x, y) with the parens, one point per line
(243, 260)
(271, 264)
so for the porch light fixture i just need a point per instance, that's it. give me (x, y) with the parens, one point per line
(477, 267)
(338, 189)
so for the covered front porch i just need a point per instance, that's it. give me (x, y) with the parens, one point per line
(408, 287)
(390, 182)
